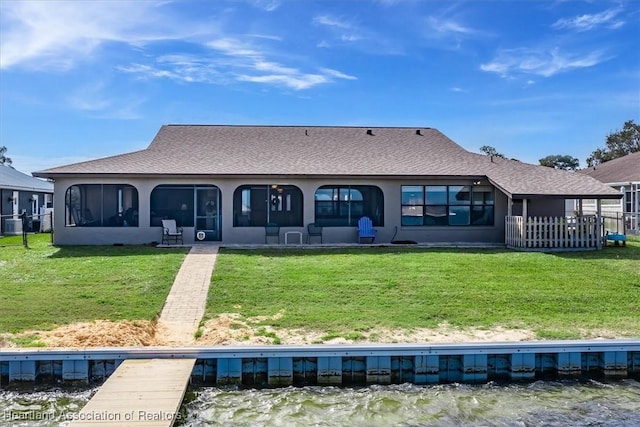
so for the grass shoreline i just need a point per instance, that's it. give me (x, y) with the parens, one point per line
(347, 293)
(45, 286)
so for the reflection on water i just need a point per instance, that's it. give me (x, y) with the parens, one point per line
(540, 403)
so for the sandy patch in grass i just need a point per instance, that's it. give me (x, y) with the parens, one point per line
(233, 329)
(99, 333)
(5, 341)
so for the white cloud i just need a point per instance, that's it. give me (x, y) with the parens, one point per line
(589, 22)
(180, 68)
(232, 60)
(344, 32)
(343, 29)
(54, 34)
(540, 62)
(233, 47)
(443, 27)
(297, 81)
(265, 36)
(338, 74)
(332, 21)
(272, 67)
(448, 32)
(266, 5)
(50, 34)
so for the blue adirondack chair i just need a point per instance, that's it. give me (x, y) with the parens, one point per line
(365, 230)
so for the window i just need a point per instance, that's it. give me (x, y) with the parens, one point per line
(101, 205)
(257, 205)
(337, 206)
(447, 205)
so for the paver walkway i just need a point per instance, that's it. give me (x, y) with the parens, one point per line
(149, 392)
(187, 299)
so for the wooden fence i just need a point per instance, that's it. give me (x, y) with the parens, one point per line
(553, 232)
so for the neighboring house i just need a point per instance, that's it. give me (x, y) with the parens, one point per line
(623, 174)
(22, 193)
(226, 183)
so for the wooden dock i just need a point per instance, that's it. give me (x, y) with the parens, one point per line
(145, 392)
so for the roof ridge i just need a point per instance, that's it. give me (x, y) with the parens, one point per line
(297, 126)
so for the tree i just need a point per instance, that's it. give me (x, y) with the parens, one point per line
(563, 162)
(618, 144)
(4, 160)
(490, 151)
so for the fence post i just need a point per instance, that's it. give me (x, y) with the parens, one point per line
(51, 226)
(23, 217)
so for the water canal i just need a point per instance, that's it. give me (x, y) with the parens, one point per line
(540, 403)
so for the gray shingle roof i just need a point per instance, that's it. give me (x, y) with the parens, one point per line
(328, 151)
(15, 180)
(622, 169)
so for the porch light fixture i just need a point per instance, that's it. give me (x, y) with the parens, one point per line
(10, 199)
(274, 186)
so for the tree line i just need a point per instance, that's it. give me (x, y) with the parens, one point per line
(4, 160)
(617, 144)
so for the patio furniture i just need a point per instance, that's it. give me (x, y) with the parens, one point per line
(271, 230)
(292, 233)
(365, 230)
(171, 232)
(314, 230)
(616, 238)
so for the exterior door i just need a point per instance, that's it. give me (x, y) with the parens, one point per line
(207, 214)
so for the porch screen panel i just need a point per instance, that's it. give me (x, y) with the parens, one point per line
(257, 205)
(101, 205)
(173, 202)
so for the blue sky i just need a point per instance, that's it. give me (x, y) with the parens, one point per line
(88, 79)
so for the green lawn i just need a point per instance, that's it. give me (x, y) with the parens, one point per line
(344, 291)
(45, 286)
(336, 291)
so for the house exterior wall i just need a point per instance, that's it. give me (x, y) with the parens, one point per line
(24, 203)
(541, 207)
(391, 188)
(546, 207)
(6, 206)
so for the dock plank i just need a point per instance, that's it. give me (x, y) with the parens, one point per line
(145, 392)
